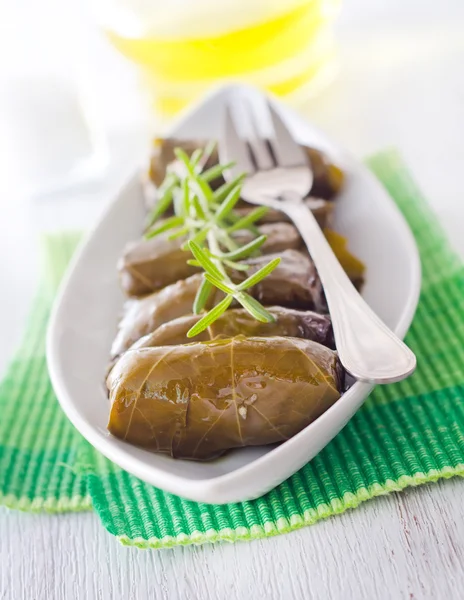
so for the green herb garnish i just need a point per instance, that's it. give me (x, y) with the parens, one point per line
(208, 219)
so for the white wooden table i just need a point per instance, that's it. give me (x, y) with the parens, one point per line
(402, 84)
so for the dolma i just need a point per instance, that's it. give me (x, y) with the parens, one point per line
(163, 158)
(199, 400)
(149, 265)
(288, 323)
(328, 177)
(352, 266)
(280, 237)
(293, 284)
(144, 315)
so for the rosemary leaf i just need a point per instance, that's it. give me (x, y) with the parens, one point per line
(236, 265)
(224, 190)
(201, 236)
(210, 317)
(259, 275)
(163, 202)
(200, 213)
(198, 238)
(196, 157)
(202, 296)
(202, 187)
(205, 261)
(214, 172)
(183, 157)
(234, 216)
(246, 250)
(226, 240)
(180, 233)
(178, 203)
(209, 149)
(255, 308)
(228, 203)
(219, 283)
(186, 198)
(170, 223)
(253, 216)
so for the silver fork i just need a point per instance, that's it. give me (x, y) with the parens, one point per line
(278, 176)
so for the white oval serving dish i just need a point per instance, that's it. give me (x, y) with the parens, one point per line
(88, 307)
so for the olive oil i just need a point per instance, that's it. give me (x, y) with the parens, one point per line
(284, 46)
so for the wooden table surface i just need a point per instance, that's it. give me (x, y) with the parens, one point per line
(401, 84)
(408, 545)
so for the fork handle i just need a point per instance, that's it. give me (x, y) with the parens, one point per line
(367, 348)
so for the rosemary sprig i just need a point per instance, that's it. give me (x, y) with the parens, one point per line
(208, 220)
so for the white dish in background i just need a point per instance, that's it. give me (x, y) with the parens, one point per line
(88, 307)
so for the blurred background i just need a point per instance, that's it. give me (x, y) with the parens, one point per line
(85, 85)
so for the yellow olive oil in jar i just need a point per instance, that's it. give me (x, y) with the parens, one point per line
(185, 47)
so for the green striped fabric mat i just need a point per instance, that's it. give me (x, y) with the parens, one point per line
(407, 433)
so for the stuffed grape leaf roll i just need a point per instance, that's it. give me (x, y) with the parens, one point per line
(293, 284)
(199, 400)
(149, 265)
(288, 323)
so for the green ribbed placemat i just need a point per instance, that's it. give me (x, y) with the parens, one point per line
(406, 434)
(38, 445)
